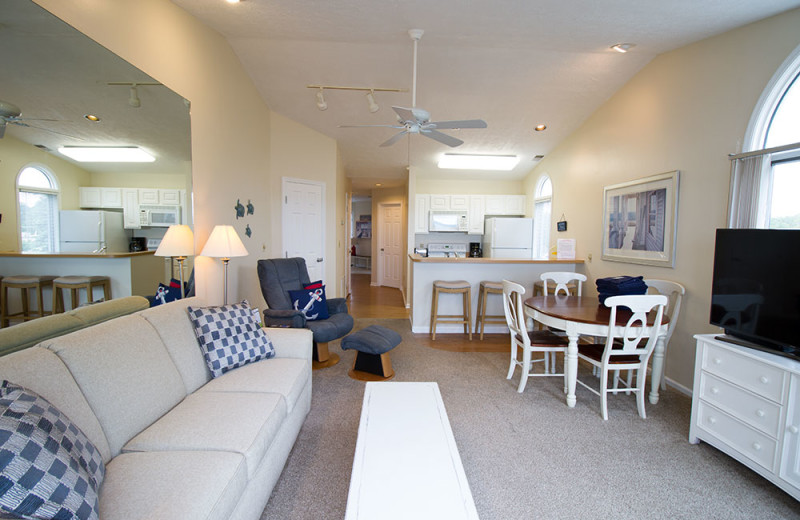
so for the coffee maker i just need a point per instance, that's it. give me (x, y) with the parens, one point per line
(475, 250)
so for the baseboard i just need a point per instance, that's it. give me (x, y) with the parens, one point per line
(679, 387)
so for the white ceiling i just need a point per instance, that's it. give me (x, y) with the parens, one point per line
(513, 63)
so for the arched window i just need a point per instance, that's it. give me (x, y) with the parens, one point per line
(542, 203)
(37, 194)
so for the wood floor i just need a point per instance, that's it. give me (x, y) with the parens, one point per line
(368, 301)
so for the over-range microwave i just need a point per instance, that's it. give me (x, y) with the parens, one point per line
(448, 222)
(159, 216)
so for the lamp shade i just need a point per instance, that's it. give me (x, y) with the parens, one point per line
(224, 243)
(178, 241)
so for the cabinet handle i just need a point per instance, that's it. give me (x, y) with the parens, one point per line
(712, 420)
(764, 379)
(793, 429)
(760, 413)
(714, 390)
(756, 446)
(717, 361)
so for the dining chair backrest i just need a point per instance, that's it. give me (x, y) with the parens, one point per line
(561, 279)
(635, 330)
(674, 293)
(515, 316)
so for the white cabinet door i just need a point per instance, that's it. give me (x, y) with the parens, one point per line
(111, 198)
(421, 204)
(790, 465)
(515, 204)
(148, 196)
(89, 197)
(459, 202)
(476, 214)
(169, 197)
(440, 202)
(495, 204)
(130, 208)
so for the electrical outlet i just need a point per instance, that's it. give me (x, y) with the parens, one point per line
(589, 257)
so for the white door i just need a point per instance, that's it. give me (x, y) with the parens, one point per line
(391, 245)
(303, 224)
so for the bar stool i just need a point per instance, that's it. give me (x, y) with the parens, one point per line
(456, 287)
(75, 284)
(481, 318)
(24, 283)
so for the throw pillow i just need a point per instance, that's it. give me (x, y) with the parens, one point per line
(229, 336)
(311, 302)
(48, 467)
(313, 285)
(166, 294)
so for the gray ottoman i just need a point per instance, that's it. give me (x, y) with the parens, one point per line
(373, 344)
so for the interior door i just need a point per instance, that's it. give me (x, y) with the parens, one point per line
(391, 245)
(303, 224)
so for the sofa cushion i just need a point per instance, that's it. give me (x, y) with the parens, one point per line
(229, 336)
(284, 376)
(173, 325)
(41, 371)
(48, 468)
(174, 485)
(244, 423)
(125, 373)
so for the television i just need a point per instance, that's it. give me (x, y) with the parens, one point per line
(755, 294)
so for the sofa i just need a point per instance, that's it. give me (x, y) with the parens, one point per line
(176, 443)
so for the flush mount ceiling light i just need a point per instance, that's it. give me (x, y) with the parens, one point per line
(373, 106)
(109, 154)
(458, 161)
(623, 47)
(232, 1)
(321, 104)
(540, 128)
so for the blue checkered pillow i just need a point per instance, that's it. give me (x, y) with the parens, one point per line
(48, 468)
(229, 336)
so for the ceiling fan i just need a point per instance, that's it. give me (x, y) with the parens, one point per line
(417, 120)
(10, 114)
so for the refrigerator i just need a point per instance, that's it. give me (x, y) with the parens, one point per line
(508, 238)
(83, 231)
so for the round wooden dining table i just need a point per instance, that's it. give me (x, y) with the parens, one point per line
(585, 316)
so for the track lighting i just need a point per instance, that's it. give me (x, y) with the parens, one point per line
(134, 100)
(623, 47)
(321, 104)
(373, 107)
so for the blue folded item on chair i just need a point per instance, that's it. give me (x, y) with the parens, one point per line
(620, 285)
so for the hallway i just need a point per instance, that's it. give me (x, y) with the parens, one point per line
(368, 301)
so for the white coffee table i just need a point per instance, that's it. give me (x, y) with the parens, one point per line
(406, 462)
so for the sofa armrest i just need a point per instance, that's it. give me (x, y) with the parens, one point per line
(337, 305)
(291, 343)
(280, 318)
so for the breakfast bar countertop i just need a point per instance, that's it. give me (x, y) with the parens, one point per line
(125, 254)
(468, 260)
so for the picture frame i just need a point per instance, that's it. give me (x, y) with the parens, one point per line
(640, 220)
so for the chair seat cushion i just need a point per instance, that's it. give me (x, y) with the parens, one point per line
(547, 337)
(595, 351)
(336, 326)
(372, 340)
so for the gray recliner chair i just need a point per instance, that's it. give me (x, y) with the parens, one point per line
(278, 276)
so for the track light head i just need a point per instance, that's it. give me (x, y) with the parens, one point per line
(321, 104)
(134, 100)
(373, 106)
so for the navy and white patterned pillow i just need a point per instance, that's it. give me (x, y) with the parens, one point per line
(48, 467)
(311, 302)
(229, 336)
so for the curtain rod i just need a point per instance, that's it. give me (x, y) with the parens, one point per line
(765, 151)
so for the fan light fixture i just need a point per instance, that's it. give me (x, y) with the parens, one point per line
(623, 47)
(321, 104)
(459, 161)
(373, 107)
(109, 154)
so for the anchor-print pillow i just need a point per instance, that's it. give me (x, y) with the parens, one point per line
(311, 302)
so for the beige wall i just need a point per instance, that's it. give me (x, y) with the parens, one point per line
(686, 111)
(182, 181)
(15, 156)
(486, 186)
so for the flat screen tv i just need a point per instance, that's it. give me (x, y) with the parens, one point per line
(755, 295)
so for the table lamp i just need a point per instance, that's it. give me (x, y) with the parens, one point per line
(224, 243)
(178, 242)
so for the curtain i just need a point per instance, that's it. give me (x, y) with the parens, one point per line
(747, 190)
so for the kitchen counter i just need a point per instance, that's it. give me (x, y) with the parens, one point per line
(450, 260)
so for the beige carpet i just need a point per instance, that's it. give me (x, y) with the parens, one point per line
(529, 455)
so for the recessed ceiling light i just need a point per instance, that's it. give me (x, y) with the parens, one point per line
(623, 47)
(458, 161)
(93, 118)
(109, 154)
(378, 184)
(541, 127)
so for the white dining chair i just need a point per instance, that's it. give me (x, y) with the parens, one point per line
(562, 279)
(674, 293)
(630, 350)
(528, 341)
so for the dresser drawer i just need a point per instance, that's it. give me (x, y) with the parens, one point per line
(762, 414)
(751, 443)
(761, 378)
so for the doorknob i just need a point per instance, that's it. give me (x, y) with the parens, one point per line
(319, 259)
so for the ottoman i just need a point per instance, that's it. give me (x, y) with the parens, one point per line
(373, 344)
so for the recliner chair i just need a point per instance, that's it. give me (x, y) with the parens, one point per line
(278, 276)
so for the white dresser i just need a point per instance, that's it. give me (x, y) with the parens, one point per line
(746, 403)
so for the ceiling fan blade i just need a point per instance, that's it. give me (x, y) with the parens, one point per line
(2, 129)
(372, 126)
(405, 114)
(442, 138)
(470, 123)
(396, 137)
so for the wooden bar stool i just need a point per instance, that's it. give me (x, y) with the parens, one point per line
(456, 287)
(481, 318)
(75, 284)
(24, 283)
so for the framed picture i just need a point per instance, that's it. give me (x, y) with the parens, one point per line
(640, 220)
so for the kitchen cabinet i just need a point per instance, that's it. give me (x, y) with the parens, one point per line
(170, 197)
(439, 202)
(459, 202)
(96, 197)
(421, 207)
(159, 197)
(130, 208)
(476, 213)
(505, 204)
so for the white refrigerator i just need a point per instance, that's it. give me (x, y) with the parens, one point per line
(508, 238)
(83, 231)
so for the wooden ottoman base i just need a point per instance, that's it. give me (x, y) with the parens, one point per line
(371, 367)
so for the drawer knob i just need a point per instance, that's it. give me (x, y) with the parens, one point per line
(793, 429)
(764, 379)
(714, 390)
(756, 446)
(712, 420)
(717, 361)
(760, 413)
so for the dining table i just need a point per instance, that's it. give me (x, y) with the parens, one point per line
(586, 316)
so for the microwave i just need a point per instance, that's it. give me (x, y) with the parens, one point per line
(159, 216)
(448, 222)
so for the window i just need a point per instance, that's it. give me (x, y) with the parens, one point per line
(37, 193)
(542, 202)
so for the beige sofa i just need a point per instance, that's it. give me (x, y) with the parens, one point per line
(176, 443)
